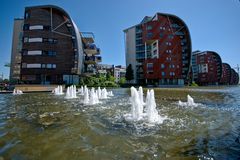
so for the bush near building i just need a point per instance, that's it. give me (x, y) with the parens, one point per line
(98, 81)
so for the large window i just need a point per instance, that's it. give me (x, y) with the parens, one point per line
(162, 66)
(149, 27)
(36, 27)
(49, 53)
(39, 39)
(38, 52)
(27, 27)
(149, 67)
(50, 40)
(35, 40)
(149, 35)
(34, 65)
(161, 35)
(49, 66)
(38, 65)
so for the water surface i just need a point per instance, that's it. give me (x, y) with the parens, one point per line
(44, 126)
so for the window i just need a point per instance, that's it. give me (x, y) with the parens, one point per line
(24, 52)
(170, 36)
(171, 66)
(154, 44)
(155, 52)
(25, 39)
(168, 43)
(162, 66)
(163, 74)
(46, 28)
(27, 15)
(30, 40)
(37, 52)
(149, 67)
(49, 65)
(168, 58)
(24, 65)
(149, 27)
(149, 35)
(50, 40)
(168, 51)
(51, 53)
(34, 65)
(161, 35)
(36, 27)
(26, 27)
(172, 73)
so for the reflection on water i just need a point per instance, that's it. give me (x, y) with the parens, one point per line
(44, 126)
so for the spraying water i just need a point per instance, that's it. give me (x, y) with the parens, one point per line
(17, 92)
(58, 90)
(190, 102)
(71, 92)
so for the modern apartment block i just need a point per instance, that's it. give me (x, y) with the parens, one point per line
(119, 72)
(159, 50)
(103, 69)
(15, 65)
(226, 74)
(54, 51)
(206, 68)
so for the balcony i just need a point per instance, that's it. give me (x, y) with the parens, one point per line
(92, 59)
(91, 49)
(87, 37)
(98, 58)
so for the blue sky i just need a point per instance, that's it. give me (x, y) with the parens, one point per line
(213, 24)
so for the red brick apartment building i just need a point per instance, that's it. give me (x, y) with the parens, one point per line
(159, 50)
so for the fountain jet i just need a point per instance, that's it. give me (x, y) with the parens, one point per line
(17, 92)
(58, 90)
(71, 92)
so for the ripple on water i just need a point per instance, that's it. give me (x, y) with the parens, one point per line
(43, 124)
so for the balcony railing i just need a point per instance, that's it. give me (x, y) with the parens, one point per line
(87, 37)
(93, 59)
(91, 49)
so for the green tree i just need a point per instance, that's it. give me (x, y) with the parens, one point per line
(129, 73)
(122, 81)
(108, 75)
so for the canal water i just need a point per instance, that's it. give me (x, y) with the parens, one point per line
(45, 126)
